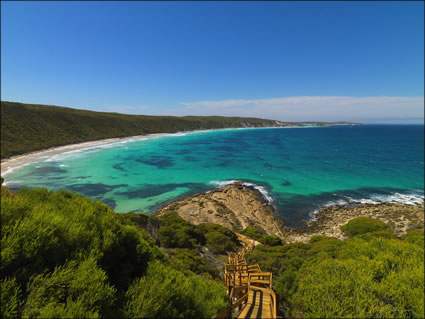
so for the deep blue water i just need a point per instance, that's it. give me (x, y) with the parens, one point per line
(298, 169)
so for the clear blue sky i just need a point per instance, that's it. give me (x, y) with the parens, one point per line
(283, 60)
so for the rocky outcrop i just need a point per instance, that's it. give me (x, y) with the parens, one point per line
(237, 206)
(399, 216)
(233, 206)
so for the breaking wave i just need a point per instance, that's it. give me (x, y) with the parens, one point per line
(259, 188)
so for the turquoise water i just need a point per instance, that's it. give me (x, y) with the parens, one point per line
(298, 170)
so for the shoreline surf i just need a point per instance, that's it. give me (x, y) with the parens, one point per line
(23, 160)
(395, 198)
(283, 165)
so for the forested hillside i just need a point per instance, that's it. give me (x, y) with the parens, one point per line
(32, 127)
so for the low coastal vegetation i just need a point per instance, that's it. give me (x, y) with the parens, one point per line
(372, 274)
(64, 256)
(262, 237)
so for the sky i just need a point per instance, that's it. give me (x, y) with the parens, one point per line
(288, 61)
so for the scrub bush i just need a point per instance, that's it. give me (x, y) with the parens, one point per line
(175, 232)
(367, 275)
(167, 293)
(363, 225)
(66, 256)
(74, 290)
(219, 239)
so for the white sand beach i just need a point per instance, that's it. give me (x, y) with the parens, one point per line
(10, 164)
(15, 162)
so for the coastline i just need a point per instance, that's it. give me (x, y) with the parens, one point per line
(326, 222)
(15, 162)
(237, 206)
(234, 206)
(31, 157)
(401, 217)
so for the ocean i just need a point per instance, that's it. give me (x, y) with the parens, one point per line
(298, 170)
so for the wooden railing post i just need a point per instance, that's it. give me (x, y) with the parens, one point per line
(250, 278)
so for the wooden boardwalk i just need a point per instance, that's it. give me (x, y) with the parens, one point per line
(249, 289)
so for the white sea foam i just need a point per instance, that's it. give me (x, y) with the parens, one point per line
(261, 189)
(335, 203)
(10, 169)
(374, 199)
(88, 149)
(313, 214)
(8, 183)
(224, 183)
(408, 199)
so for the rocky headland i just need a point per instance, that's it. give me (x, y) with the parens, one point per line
(237, 206)
(400, 217)
(233, 206)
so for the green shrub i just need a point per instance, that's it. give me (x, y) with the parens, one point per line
(382, 233)
(190, 260)
(415, 236)
(43, 229)
(150, 225)
(219, 243)
(175, 232)
(74, 290)
(64, 255)
(219, 239)
(167, 293)
(262, 237)
(269, 258)
(10, 301)
(376, 278)
(324, 244)
(253, 233)
(271, 240)
(363, 225)
(367, 275)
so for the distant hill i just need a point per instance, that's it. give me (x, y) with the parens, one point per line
(31, 127)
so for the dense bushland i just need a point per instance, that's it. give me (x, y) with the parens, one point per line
(31, 127)
(64, 255)
(371, 274)
(262, 237)
(186, 244)
(182, 296)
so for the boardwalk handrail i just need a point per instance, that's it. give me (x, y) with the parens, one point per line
(242, 280)
(263, 278)
(243, 267)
